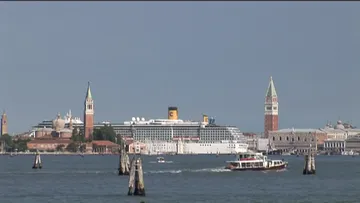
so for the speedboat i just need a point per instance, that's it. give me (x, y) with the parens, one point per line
(160, 159)
(254, 161)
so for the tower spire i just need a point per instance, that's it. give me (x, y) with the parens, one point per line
(88, 93)
(271, 91)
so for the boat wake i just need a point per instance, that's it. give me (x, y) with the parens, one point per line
(280, 170)
(166, 162)
(204, 170)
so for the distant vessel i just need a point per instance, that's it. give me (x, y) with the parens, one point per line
(255, 161)
(172, 135)
(349, 153)
(160, 159)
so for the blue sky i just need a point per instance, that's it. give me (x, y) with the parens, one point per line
(204, 57)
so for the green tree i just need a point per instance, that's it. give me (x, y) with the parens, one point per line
(82, 148)
(8, 141)
(60, 148)
(72, 147)
(119, 140)
(20, 144)
(105, 132)
(77, 135)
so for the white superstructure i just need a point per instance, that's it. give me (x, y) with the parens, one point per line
(163, 136)
(215, 148)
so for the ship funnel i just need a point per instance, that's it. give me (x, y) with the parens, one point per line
(173, 113)
(206, 119)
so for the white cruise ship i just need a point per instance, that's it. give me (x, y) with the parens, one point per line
(173, 135)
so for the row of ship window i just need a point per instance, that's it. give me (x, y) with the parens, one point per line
(292, 139)
(162, 137)
(251, 165)
(175, 132)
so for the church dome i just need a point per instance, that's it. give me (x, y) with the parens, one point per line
(58, 123)
(339, 125)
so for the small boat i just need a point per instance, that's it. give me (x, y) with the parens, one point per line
(160, 159)
(253, 161)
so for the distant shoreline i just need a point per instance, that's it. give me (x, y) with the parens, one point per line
(72, 154)
(55, 153)
(89, 154)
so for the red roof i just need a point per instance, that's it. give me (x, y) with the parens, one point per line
(128, 142)
(44, 141)
(104, 143)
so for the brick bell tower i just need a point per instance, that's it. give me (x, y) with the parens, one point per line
(4, 124)
(88, 114)
(271, 109)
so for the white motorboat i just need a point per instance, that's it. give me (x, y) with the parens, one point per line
(255, 161)
(160, 159)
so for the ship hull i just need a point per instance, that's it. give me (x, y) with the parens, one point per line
(279, 167)
(214, 148)
(194, 148)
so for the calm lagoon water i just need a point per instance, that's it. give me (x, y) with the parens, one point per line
(184, 179)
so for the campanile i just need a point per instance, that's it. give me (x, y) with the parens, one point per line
(88, 114)
(4, 125)
(271, 109)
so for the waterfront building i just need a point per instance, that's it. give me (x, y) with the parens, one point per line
(50, 138)
(47, 144)
(300, 140)
(335, 145)
(57, 130)
(338, 135)
(353, 143)
(143, 148)
(104, 146)
(256, 141)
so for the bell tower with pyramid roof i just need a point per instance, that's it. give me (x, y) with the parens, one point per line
(88, 114)
(271, 109)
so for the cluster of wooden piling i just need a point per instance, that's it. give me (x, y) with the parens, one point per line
(136, 180)
(124, 163)
(37, 161)
(309, 167)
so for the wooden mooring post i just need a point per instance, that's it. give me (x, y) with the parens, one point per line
(124, 162)
(136, 180)
(309, 167)
(37, 161)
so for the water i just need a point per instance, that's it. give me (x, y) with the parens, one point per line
(184, 179)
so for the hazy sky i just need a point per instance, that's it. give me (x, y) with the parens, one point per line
(204, 57)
